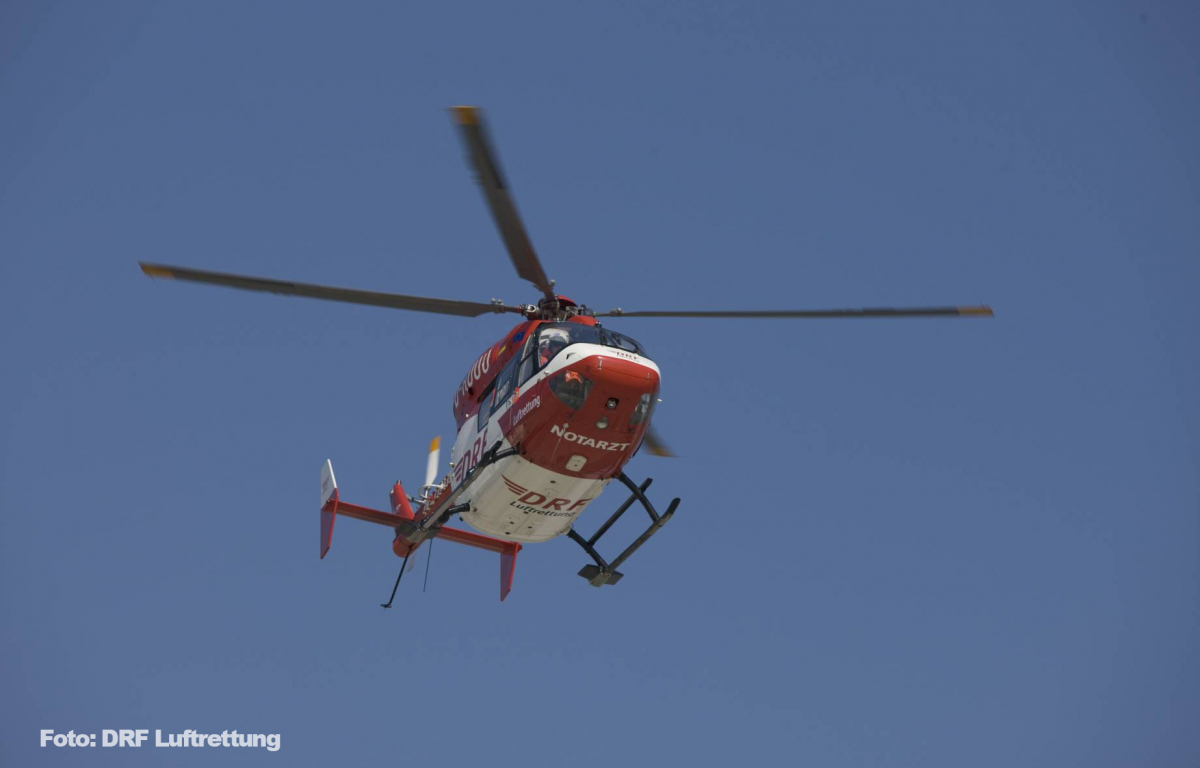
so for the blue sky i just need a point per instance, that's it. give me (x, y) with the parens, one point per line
(920, 542)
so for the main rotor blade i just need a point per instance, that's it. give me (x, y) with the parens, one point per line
(499, 199)
(808, 313)
(349, 295)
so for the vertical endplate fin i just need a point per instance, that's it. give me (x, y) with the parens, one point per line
(508, 568)
(329, 504)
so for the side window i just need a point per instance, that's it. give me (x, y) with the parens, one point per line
(504, 383)
(528, 358)
(485, 406)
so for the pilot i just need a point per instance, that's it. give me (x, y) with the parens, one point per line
(550, 344)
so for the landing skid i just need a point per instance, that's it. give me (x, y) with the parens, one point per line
(606, 573)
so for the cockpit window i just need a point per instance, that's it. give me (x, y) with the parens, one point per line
(555, 337)
(621, 341)
(551, 341)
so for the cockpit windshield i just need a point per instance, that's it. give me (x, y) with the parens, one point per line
(554, 337)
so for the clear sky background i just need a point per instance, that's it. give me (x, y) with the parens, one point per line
(909, 542)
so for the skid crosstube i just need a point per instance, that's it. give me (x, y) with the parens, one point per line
(606, 573)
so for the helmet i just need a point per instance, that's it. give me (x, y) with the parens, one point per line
(555, 336)
(551, 342)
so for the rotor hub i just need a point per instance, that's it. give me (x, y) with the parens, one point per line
(559, 308)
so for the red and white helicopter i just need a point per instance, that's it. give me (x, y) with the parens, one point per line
(547, 416)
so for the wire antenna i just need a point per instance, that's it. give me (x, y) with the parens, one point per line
(398, 577)
(428, 560)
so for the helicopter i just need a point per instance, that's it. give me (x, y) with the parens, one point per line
(547, 417)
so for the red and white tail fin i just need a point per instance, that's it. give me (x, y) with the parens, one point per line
(329, 505)
(508, 569)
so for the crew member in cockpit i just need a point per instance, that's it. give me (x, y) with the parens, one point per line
(552, 341)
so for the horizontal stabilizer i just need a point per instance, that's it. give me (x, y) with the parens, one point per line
(332, 506)
(508, 552)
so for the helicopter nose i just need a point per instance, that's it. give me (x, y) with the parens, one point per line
(619, 387)
(604, 407)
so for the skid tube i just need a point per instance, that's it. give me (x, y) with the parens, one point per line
(606, 573)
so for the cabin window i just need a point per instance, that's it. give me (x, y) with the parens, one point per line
(485, 407)
(528, 357)
(504, 383)
(497, 393)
